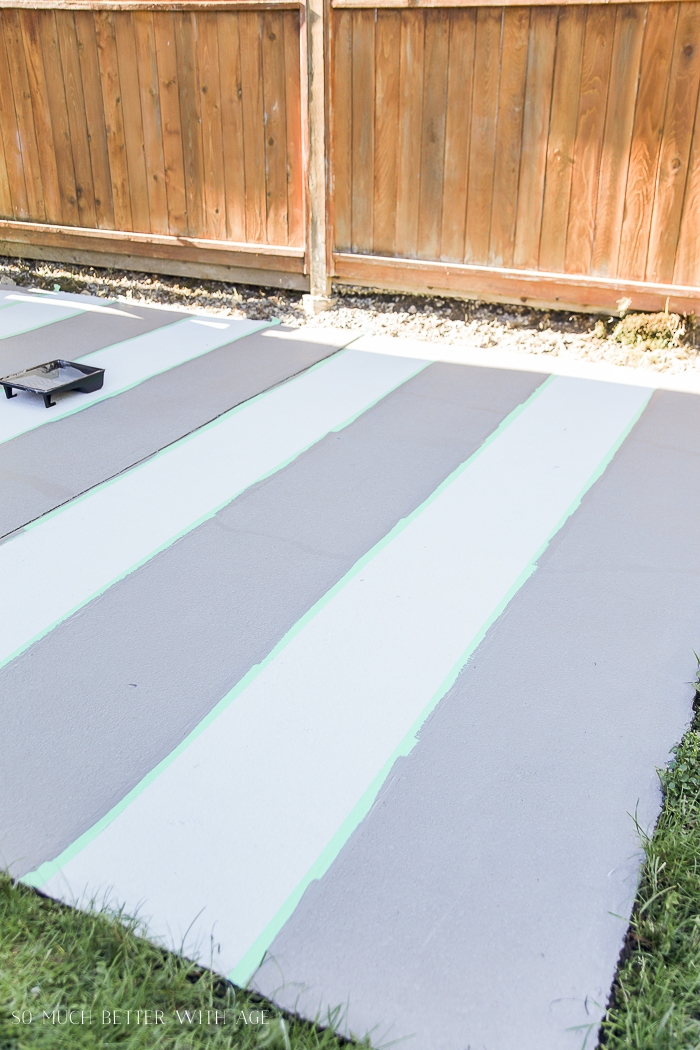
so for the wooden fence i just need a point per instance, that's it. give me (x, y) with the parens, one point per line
(546, 153)
(173, 134)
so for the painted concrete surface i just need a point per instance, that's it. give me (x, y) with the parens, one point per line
(163, 646)
(449, 877)
(80, 334)
(126, 521)
(47, 466)
(346, 690)
(516, 806)
(126, 365)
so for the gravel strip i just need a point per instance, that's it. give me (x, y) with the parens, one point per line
(454, 321)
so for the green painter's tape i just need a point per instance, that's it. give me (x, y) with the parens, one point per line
(48, 869)
(199, 521)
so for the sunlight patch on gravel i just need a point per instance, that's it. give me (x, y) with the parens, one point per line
(449, 321)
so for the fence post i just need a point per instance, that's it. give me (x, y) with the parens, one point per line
(319, 278)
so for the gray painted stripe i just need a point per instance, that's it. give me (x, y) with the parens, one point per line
(44, 468)
(78, 336)
(477, 904)
(161, 647)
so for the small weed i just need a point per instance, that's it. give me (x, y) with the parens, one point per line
(649, 331)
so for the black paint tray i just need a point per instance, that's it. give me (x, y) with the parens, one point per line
(55, 377)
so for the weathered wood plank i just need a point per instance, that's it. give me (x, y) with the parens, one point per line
(85, 31)
(387, 57)
(114, 119)
(250, 29)
(511, 100)
(341, 117)
(10, 135)
(49, 119)
(209, 94)
(232, 125)
(432, 154)
(595, 77)
(67, 100)
(275, 120)
(482, 145)
(149, 92)
(363, 117)
(295, 149)
(134, 135)
(410, 131)
(48, 84)
(562, 137)
(687, 268)
(460, 87)
(171, 127)
(646, 139)
(500, 283)
(617, 140)
(681, 105)
(538, 96)
(400, 4)
(26, 127)
(190, 121)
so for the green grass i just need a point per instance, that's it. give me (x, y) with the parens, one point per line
(55, 958)
(656, 996)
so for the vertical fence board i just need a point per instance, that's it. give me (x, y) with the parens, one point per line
(68, 114)
(295, 149)
(275, 120)
(432, 154)
(595, 79)
(253, 127)
(26, 127)
(6, 207)
(646, 139)
(341, 142)
(687, 268)
(95, 117)
(169, 97)
(387, 50)
(114, 119)
(538, 94)
(562, 136)
(149, 91)
(10, 133)
(410, 131)
(190, 121)
(482, 147)
(59, 206)
(232, 126)
(617, 139)
(511, 100)
(133, 121)
(209, 95)
(460, 87)
(363, 130)
(675, 146)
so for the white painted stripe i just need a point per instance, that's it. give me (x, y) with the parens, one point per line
(295, 758)
(18, 317)
(73, 305)
(73, 554)
(126, 364)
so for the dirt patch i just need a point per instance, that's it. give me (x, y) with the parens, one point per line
(664, 342)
